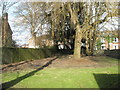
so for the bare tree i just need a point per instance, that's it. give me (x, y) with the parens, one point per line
(32, 16)
(84, 19)
(90, 21)
(5, 6)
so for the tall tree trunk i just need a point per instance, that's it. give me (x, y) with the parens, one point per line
(33, 35)
(53, 34)
(77, 44)
(78, 34)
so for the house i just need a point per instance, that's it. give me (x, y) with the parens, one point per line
(6, 32)
(40, 41)
(110, 40)
(25, 46)
(112, 45)
(32, 43)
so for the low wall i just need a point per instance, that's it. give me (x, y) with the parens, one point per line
(12, 55)
(113, 53)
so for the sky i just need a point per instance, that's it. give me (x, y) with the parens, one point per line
(22, 36)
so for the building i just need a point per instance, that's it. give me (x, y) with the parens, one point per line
(40, 41)
(114, 44)
(110, 40)
(6, 32)
(25, 46)
(32, 43)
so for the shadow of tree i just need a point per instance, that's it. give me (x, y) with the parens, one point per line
(11, 83)
(15, 65)
(107, 80)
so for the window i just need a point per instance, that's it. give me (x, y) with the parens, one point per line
(115, 40)
(103, 47)
(115, 46)
(102, 40)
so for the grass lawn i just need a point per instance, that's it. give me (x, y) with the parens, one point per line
(76, 77)
(63, 78)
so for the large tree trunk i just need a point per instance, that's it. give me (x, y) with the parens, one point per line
(78, 35)
(33, 35)
(53, 34)
(77, 44)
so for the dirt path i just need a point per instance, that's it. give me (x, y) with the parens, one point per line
(61, 62)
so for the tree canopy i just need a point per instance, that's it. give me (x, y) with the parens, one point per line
(74, 22)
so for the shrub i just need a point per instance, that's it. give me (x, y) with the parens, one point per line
(12, 55)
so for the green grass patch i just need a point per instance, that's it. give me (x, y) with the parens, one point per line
(60, 77)
(105, 60)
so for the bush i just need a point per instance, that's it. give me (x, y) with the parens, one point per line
(113, 53)
(99, 52)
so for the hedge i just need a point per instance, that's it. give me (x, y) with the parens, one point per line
(12, 55)
(113, 53)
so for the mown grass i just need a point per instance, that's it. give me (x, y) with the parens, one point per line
(62, 77)
(105, 60)
(91, 77)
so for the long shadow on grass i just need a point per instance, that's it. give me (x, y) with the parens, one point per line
(15, 65)
(107, 80)
(11, 83)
